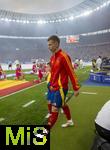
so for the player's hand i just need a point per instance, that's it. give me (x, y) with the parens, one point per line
(51, 88)
(76, 93)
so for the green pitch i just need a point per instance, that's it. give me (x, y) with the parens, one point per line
(83, 108)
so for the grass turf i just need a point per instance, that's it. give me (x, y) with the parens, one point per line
(83, 109)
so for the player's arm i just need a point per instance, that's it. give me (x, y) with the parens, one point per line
(71, 74)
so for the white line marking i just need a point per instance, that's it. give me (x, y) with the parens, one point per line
(91, 93)
(29, 103)
(70, 92)
(46, 93)
(2, 119)
(21, 90)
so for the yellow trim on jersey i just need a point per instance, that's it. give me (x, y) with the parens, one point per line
(69, 64)
(48, 77)
(61, 90)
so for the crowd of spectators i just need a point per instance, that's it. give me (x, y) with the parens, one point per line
(25, 50)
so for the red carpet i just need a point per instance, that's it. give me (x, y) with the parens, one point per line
(12, 89)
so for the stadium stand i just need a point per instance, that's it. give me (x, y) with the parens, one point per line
(92, 45)
(31, 49)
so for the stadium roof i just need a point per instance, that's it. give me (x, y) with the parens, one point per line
(48, 10)
(38, 6)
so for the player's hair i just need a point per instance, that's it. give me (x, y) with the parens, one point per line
(54, 38)
(48, 63)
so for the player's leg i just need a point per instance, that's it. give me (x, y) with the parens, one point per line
(0, 75)
(66, 111)
(49, 104)
(4, 75)
(49, 109)
(56, 104)
(39, 78)
(53, 118)
(22, 75)
(62, 111)
(17, 77)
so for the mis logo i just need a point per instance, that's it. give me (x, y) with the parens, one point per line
(28, 136)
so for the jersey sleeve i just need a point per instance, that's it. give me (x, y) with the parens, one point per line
(70, 70)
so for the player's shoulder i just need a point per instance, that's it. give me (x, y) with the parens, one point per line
(64, 55)
(63, 52)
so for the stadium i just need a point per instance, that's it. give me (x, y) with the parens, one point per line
(84, 30)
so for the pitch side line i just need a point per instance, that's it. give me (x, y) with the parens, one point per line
(21, 90)
(89, 93)
(29, 103)
(2, 119)
(92, 93)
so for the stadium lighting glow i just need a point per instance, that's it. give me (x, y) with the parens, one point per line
(55, 20)
(59, 19)
(24, 21)
(31, 21)
(52, 21)
(27, 21)
(86, 13)
(9, 20)
(97, 8)
(71, 18)
(41, 22)
(78, 16)
(65, 19)
(6, 19)
(18, 21)
(105, 4)
(2, 19)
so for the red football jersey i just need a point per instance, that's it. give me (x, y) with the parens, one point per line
(61, 69)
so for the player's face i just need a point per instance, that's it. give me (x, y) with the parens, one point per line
(48, 68)
(18, 66)
(53, 46)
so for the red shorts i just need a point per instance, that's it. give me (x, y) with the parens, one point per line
(34, 70)
(40, 76)
(18, 75)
